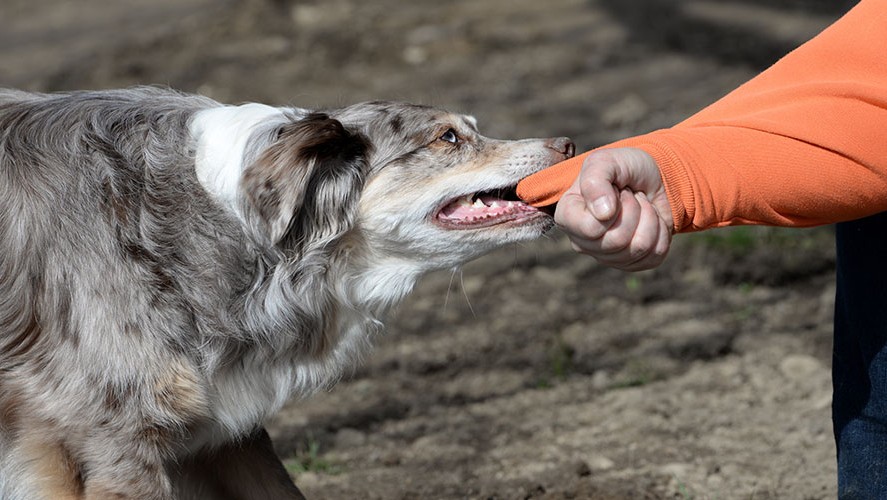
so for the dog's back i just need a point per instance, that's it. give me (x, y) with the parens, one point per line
(88, 187)
(107, 252)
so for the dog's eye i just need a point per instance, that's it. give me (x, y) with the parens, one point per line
(450, 136)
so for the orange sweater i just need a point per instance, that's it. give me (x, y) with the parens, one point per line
(801, 144)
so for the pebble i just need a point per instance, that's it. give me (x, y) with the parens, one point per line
(679, 470)
(800, 367)
(600, 463)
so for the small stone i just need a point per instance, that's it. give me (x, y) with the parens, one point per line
(600, 379)
(800, 367)
(678, 470)
(600, 462)
(415, 55)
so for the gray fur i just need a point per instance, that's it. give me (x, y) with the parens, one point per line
(147, 328)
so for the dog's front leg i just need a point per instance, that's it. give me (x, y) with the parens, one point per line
(131, 470)
(244, 470)
(83, 465)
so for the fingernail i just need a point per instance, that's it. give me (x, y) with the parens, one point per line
(602, 208)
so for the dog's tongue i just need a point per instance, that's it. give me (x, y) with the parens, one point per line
(547, 186)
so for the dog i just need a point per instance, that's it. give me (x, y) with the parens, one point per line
(173, 270)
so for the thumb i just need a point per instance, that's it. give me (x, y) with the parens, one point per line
(586, 219)
(599, 185)
(606, 172)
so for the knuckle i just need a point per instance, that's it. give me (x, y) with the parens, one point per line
(617, 240)
(642, 245)
(591, 228)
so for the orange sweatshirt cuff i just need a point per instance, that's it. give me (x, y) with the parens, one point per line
(546, 187)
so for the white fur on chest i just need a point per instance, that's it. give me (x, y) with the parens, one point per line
(257, 387)
(246, 394)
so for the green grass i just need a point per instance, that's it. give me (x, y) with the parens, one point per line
(560, 359)
(635, 373)
(743, 239)
(686, 493)
(736, 239)
(683, 490)
(560, 364)
(310, 460)
(633, 283)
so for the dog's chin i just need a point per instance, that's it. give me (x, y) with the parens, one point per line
(490, 210)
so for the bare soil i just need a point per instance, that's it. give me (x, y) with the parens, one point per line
(532, 372)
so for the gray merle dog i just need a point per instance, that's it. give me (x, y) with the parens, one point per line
(174, 270)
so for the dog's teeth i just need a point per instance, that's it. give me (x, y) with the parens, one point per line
(464, 201)
(495, 204)
(478, 204)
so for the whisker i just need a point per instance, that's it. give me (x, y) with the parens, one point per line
(465, 293)
(449, 286)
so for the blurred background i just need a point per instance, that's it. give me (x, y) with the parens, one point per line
(533, 372)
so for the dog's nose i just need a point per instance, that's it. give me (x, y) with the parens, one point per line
(562, 145)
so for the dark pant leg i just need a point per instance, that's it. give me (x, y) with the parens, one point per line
(859, 408)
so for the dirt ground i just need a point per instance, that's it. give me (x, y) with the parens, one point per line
(533, 372)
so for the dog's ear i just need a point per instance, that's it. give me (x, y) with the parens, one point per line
(306, 184)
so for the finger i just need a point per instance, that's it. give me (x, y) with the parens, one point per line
(646, 235)
(657, 255)
(660, 249)
(622, 232)
(573, 216)
(615, 240)
(642, 251)
(596, 184)
(664, 242)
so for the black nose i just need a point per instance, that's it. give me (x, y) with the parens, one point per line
(562, 145)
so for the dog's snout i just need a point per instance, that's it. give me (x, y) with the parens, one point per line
(562, 145)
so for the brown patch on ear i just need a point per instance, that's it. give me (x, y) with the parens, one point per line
(277, 184)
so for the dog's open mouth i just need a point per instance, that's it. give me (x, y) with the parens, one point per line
(486, 209)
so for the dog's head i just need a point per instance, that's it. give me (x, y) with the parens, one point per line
(440, 192)
(355, 204)
(417, 182)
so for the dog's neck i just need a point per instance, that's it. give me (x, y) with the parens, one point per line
(370, 289)
(364, 285)
(380, 286)
(365, 291)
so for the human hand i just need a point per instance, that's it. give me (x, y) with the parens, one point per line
(617, 210)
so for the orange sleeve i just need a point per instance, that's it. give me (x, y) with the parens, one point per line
(803, 143)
